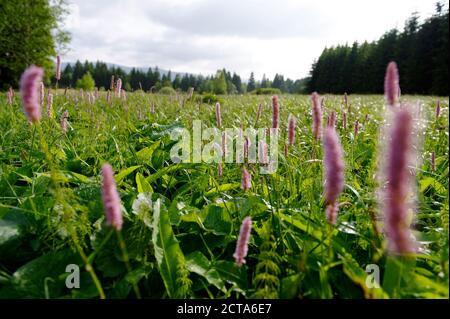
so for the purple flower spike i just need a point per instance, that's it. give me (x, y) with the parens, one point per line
(58, 68)
(246, 182)
(400, 240)
(29, 84)
(316, 114)
(334, 171)
(292, 123)
(391, 85)
(242, 243)
(111, 200)
(275, 111)
(218, 115)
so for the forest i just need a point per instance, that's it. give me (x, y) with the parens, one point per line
(421, 50)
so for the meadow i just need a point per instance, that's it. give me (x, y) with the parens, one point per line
(52, 214)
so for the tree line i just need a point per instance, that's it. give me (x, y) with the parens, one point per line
(223, 82)
(421, 51)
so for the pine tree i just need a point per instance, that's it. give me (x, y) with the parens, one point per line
(251, 85)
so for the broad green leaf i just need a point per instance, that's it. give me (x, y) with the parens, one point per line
(197, 262)
(78, 177)
(424, 284)
(396, 271)
(9, 231)
(163, 171)
(233, 274)
(431, 182)
(142, 185)
(125, 172)
(59, 176)
(223, 188)
(289, 286)
(359, 277)
(317, 234)
(218, 220)
(168, 254)
(146, 153)
(32, 279)
(251, 205)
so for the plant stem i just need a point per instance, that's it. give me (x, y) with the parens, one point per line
(127, 263)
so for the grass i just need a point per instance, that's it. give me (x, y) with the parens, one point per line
(51, 212)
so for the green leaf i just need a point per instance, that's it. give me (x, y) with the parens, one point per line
(397, 270)
(359, 277)
(218, 220)
(168, 254)
(311, 230)
(125, 172)
(25, 178)
(233, 274)
(9, 231)
(354, 191)
(289, 286)
(423, 284)
(223, 188)
(43, 273)
(197, 262)
(146, 153)
(431, 182)
(163, 171)
(142, 185)
(251, 205)
(75, 177)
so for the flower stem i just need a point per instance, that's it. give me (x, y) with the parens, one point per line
(127, 263)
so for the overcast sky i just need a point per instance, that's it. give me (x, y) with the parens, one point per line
(201, 36)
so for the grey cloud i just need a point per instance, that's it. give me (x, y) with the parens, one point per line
(172, 50)
(250, 18)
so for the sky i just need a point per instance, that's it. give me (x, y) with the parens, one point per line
(202, 36)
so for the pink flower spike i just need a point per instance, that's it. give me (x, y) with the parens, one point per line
(152, 107)
(42, 93)
(111, 200)
(331, 119)
(63, 121)
(29, 83)
(263, 154)
(275, 111)
(119, 87)
(246, 182)
(242, 243)
(112, 86)
(292, 123)
(218, 115)
(58, 67)
(50, 105)
(334, 171)
(10, 96)
(224, 144)
(391, 85)
(356, 128)
(438, 109)
(396, 209)
(316, 114)
(219, 169)
(258, 114)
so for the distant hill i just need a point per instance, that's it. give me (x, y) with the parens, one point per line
(128, 69)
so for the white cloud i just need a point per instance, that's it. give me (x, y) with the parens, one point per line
(201, 36)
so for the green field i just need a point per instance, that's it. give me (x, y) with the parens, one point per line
(51, 211)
